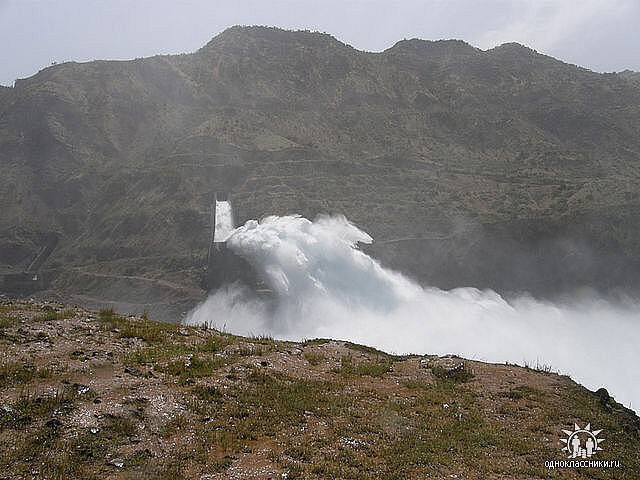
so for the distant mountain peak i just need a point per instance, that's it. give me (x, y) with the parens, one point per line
(513, 47)
(433, 47)
(239, 34)
(516, 52)
(630, 75)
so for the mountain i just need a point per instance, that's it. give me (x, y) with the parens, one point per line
(502, 168)
(96, 395)
(630, 75)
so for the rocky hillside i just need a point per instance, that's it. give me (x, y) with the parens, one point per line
(502, 168)
(101, 396)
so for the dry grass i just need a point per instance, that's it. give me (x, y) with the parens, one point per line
(184, 402)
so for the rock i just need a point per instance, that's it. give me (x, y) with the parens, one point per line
(81, 389)
(53, 423)
(450, 367)
(603, 396)
(629, 420)
(116, 462)
(132, 371)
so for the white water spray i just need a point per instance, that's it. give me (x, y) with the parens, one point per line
(224, 221)
(326, 287)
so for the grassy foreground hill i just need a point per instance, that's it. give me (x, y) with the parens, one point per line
(98, 395)
(502, 168)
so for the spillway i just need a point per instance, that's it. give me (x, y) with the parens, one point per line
(224, 224)
(223, 266)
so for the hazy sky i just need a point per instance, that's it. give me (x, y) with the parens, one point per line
(599, 34)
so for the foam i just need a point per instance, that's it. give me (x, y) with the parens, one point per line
(325, 287)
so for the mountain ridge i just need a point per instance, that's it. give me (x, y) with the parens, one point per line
(122, 158)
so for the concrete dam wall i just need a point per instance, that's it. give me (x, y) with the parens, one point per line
(223, 266)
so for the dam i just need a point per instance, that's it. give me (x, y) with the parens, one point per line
(223, 266)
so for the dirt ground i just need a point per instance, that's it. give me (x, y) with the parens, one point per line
(96, 395)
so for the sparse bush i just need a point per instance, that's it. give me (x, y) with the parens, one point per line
(8, 320)
(194, 367)
(371, 368)
(17, 373)
(314, 358)
(50, 314)
(30, 406)
(458, 374)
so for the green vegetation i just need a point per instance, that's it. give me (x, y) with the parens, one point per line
(214, 401)
(29, 406)
(460, 373)
(442, 436)
(50, 314)
(314, 358)
(366, 349)
(194, 367)
(18, 373)
(374, 368)
(143, 328)
(7, 320)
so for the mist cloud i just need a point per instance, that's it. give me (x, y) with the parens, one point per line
(325, 287)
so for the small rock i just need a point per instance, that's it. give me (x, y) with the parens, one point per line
(116, 462)
(53, 423)
(183, 332)
(81, 389)
(94, 430)
(135, 439)
(132, 371)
